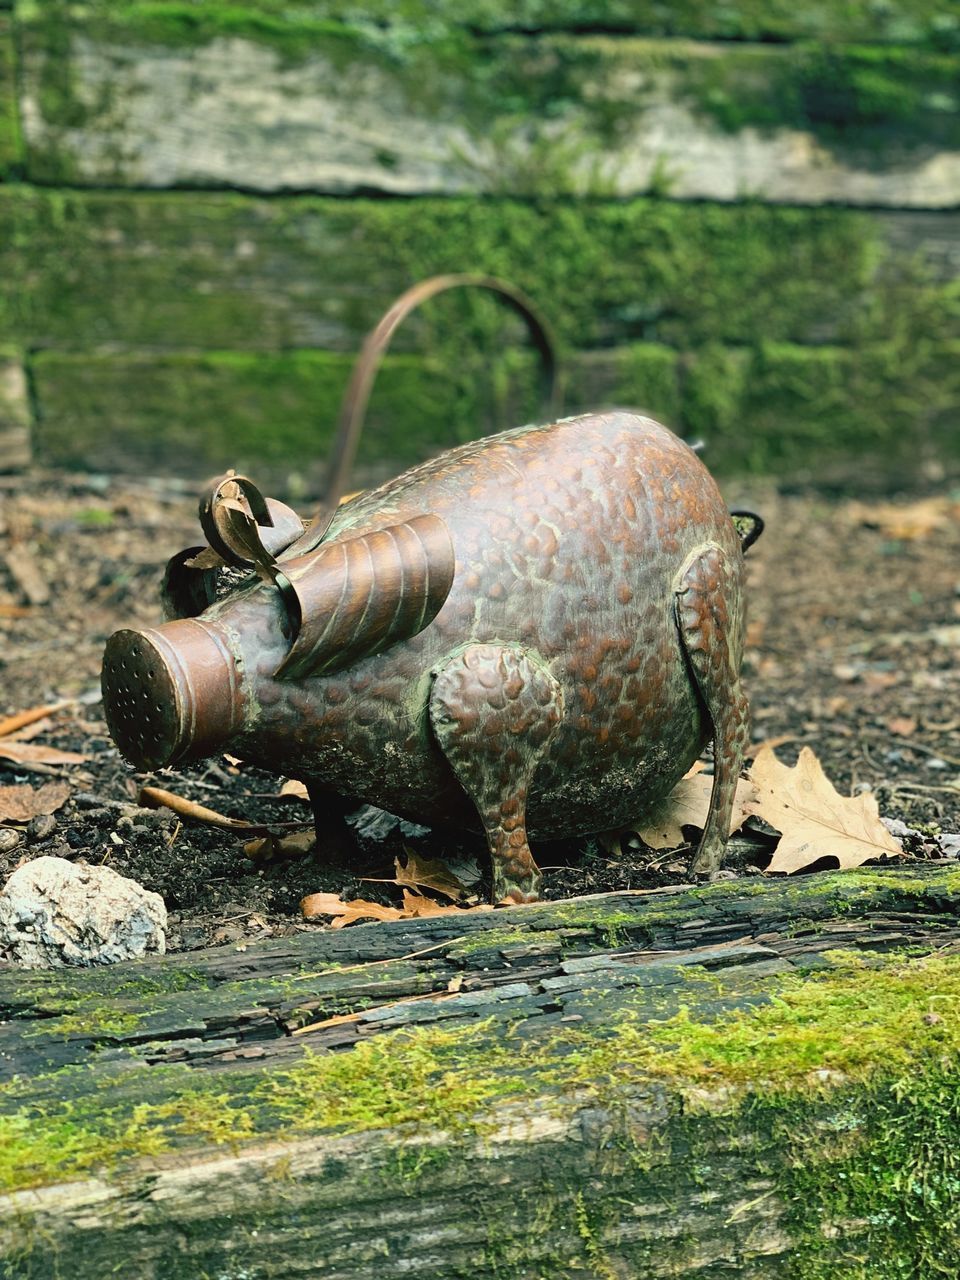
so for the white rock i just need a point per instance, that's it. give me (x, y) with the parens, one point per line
(55, 913)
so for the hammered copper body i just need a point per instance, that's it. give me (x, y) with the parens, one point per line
(581, 644)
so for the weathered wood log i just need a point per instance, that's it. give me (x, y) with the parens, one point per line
(227, 369)
(199, 412)
(327, 107)
(10, 142)
(15, 441)
(756, 1078)
(899, 22)
(87, 270)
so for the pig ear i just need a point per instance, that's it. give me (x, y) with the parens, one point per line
(247, 530)
(748, 525)
(358, 596)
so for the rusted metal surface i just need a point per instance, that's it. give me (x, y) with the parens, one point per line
(536, 634)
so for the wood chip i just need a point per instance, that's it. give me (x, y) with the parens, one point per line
(27, 574)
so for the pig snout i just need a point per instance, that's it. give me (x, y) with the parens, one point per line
(171, 693)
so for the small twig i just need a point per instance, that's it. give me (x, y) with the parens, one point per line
(372, 964)
(156, 797)
(865, 752)
(932, 751)
(355, 1017)
(749, 1205)
(922, 786)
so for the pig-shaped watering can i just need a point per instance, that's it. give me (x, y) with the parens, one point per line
(536, 634)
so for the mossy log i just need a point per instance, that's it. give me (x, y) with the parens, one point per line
(202, 270)
(15, 442)
(10, 153)
(148, 96)
(756, 1078)
(275, 415)
(228, 324)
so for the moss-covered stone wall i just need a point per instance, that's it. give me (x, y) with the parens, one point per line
(163, 324)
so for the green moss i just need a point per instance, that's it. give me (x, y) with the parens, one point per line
(98, 1022)
(11, 143)
(858, 99)
(51, 995)
(769, 410)
(849, 1022)
(783, 408)
(102, 268)
(903, 21)
(643, 376)
(277, 413)
(888, 1162)
(498, 940)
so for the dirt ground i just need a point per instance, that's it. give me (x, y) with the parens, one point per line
(853, 650)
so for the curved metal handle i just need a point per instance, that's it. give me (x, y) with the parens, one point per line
(375, 345)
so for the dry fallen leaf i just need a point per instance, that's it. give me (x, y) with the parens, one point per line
(10, 724)
(907, 522)
(27, 574)
(315, 905)
(414, 905)
(30, 731)
(35, 753)
(902, 726)
(813, 819)
(427, 873)
(294, 787)
(21, 803)
(687, 806)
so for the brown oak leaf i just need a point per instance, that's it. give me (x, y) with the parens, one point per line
(426, 873)
(813, 819)
(687, 806)
(315, 905)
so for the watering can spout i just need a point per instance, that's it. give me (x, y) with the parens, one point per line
(171, 693)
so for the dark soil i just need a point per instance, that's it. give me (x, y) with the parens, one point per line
(853, 650)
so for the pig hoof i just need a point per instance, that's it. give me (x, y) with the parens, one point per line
(511, 891)
(516, 898)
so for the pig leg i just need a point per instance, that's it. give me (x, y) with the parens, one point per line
(712, 641)
(494, 710)
(335, 844)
